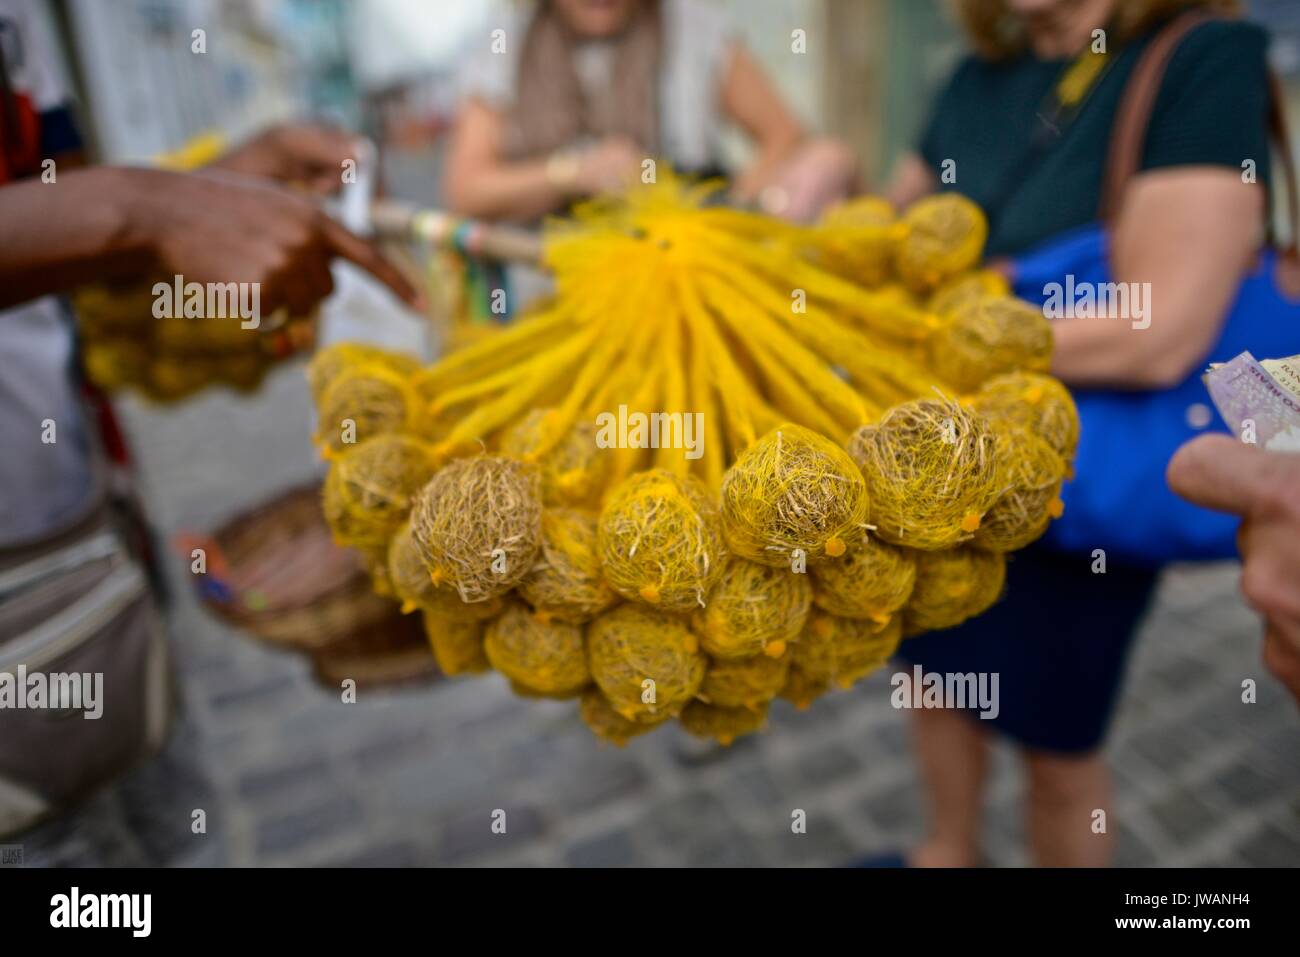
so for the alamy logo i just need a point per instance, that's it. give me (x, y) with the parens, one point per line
(1098, 300)
(930, 689)
(132, 911)
(58, 691)
(214, 300)
(653, 430)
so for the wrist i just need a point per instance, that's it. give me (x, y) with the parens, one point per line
(562, 170)
(134, 216)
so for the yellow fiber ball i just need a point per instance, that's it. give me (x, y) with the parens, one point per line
(723, 725)
(801, 689)
(962, 290)
(606, 723)
(413, 585)
(566, 582)
(457, 643)
(546, 657)
(366, 401)
(945, 237)
(988, 337)
(793, 492)
(857, 238)
(113, 363)
(1031, 400)
(369, 488)
(752, 609)
(872, 581)
(647, 663)
(1030, 475)
(931, 469)
(477, 525)
(952, 586)
(841, 651)
(333, 360)
(574, 471)
(744, 682)
(661, 540)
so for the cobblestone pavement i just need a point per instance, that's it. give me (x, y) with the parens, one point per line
(290, 775)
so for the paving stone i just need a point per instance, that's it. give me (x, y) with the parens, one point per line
(754, 788)
(378, 752)
(611, 849)
(283, 777)
(603, 781)
(825, 843)
(1181, 673)
(470, 836)
(893, 737)
(261, 693)
(1132, 849)
(1244, 785)
(1165, 748)
(396, 854)
(895, 808)
(730, 847)
(158, 801)
(315, 823)
(678, 821)
(1270, 847)
(443, 779)
(825, 766)
(1184, 816)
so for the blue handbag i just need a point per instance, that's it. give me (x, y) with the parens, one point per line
(1118, 500)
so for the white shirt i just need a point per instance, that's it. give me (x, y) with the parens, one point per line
(43, 486)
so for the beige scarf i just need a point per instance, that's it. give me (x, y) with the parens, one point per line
(551, 110)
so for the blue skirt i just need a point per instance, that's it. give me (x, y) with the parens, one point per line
(1058, 640)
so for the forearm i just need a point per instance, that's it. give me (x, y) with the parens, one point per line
(1156, 347)
(765, 167)
(1096, 353)
(1182, 242)
(520, 191)
(55, 236)
(750, 101)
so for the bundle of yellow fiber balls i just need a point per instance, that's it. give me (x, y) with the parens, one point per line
(125, 347)
(843, 430)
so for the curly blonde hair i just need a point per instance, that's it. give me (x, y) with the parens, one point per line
(997, 33)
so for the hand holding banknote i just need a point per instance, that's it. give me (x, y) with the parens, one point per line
(1228, 475)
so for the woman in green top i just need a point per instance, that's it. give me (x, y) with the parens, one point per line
(1189, 225)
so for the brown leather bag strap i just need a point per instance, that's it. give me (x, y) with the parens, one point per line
(1128, 136)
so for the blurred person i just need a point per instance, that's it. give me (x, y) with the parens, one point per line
(1060, 636)
(1227, 475)
(65, 544)
(586, 90)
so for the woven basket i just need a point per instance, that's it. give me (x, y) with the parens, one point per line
(388, 654)
(285, 581)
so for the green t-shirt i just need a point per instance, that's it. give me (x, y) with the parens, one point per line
(1212, 109)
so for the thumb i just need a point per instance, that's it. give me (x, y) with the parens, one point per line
(1219, 472)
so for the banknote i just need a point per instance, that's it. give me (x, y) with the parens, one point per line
(1259, 400)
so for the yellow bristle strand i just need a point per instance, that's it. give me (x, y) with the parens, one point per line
(800, 369)
(495, 352)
